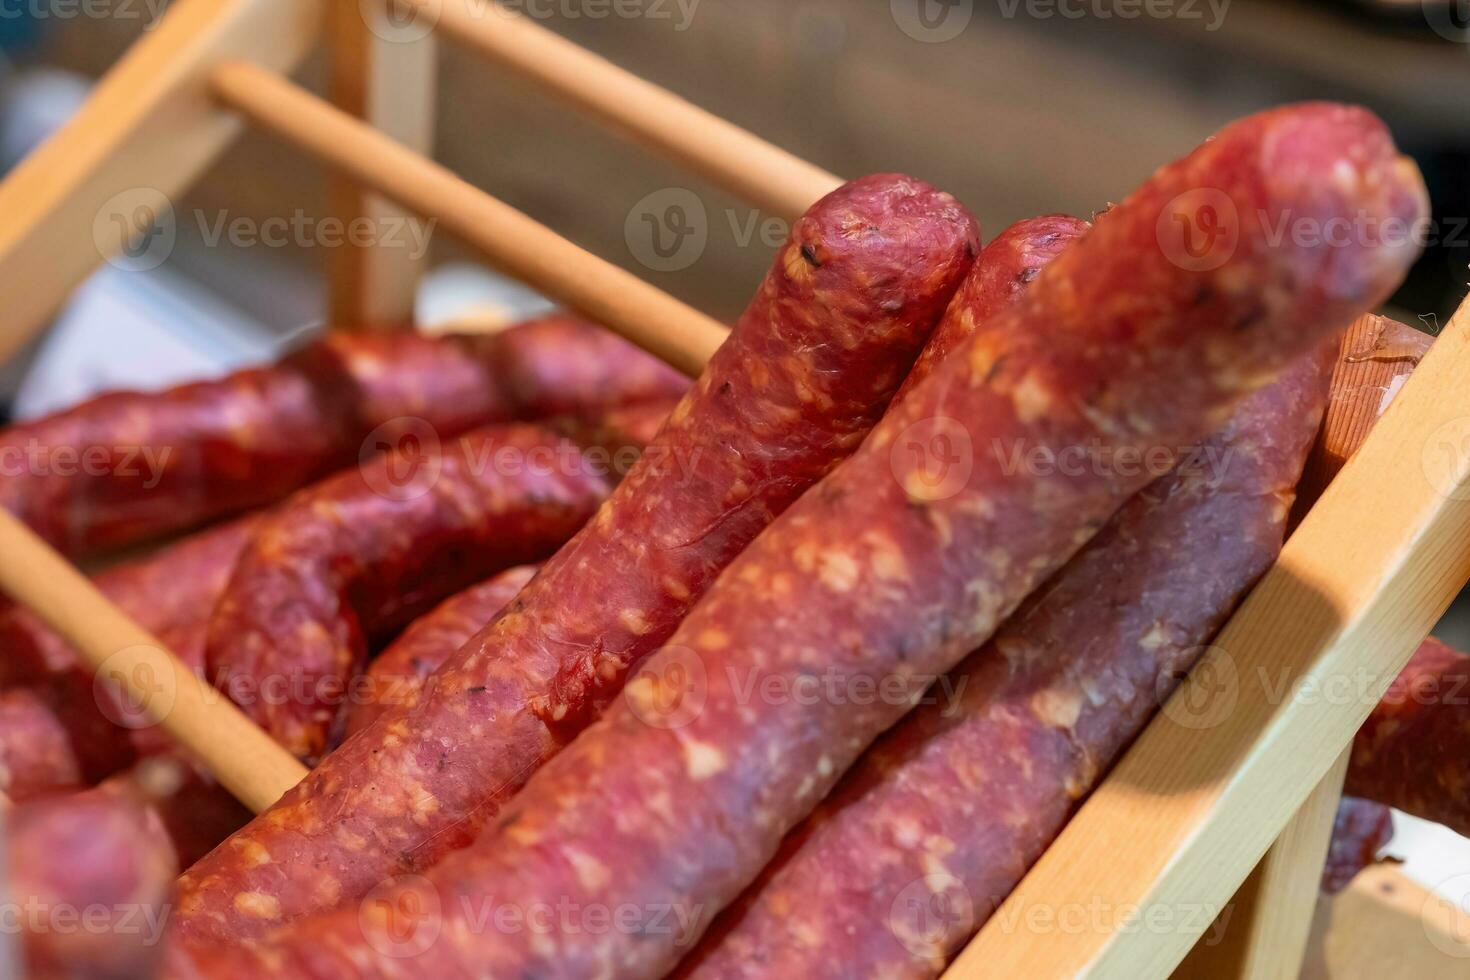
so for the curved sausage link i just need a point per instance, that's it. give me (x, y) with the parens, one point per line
(129, 466)
(398, 674)
(806, 372)
(1137, 340)
(346, 563)
(1009, 264)
(196, 811)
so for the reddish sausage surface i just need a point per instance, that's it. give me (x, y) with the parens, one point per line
(1359, 831)
(954, 804)
(129, 466)
(1411, 752)
(196, 811)
(888, 572)
(398, 674)
(1005, 268)
(87, 878)
(809, 367)
(347, 562)
(36, 754)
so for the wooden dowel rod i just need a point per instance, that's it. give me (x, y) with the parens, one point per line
(245, 760)
(510, 240)
(714, 148)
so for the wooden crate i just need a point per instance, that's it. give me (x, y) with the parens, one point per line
(1186, 816)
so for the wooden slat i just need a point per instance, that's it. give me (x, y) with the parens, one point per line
(385, 77)
(1193, 806)
(149, 129)
(751, 168)
(1263, 934)
(1385, 926)
(245, 760)
(520, 246)
(1264, 930)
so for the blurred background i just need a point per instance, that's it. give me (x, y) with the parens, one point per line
(1018, 107)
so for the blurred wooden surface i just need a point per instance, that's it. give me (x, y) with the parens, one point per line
(1386, 927)
(987, 115)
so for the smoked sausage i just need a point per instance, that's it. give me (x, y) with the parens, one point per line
(1410, 753)
(956, 802)
(1359, 831)
(170, 593)
(348, 562)
(88, 878)
(129, 466)
(808, 369)
(1135, 341)
(1006, 267)
(36, 754)
(397, 675)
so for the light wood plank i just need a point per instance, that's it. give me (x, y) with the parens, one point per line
(149, 129)
(1265, 927)
(386, 77)
(1162, 845)
(1263, 933)
(1386, 926)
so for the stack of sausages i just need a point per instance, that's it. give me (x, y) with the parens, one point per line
(599, 673)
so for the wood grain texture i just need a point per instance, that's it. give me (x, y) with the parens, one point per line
(388, 80)
(1263, 933)
(1377, 356)
(1385, 926)
(1264, 930)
